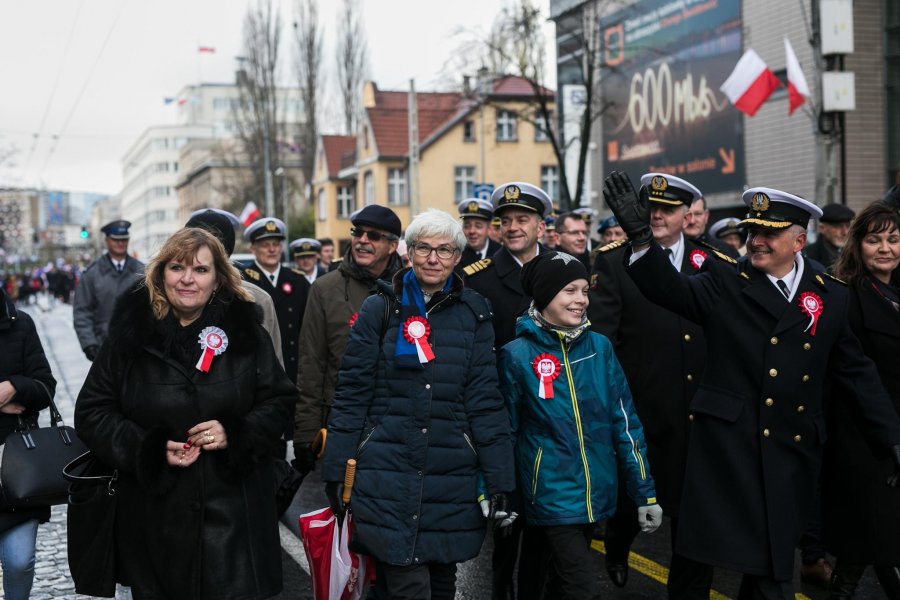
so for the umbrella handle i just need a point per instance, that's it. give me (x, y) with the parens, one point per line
(349, 476)
(318, 443)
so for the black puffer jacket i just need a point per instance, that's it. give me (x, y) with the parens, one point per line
(419, 437)
(209, 530)
(22, 363)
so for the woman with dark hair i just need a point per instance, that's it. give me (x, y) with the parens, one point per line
(862, 526)
(187, 400)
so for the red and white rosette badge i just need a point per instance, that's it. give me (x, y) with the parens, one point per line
(416, 331)
(352, 319)
(546, 367)
(697, 258)
(213, 341)
(811, 305)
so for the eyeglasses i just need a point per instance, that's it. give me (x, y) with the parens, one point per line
(444, 252)
(374, 236)
(575, 232)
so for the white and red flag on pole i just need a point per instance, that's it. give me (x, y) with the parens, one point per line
(206, 50)
(750, 84)
(798, 90)
(249, 214)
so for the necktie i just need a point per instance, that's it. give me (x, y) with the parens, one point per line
(272, 277)
(784, 288)
(671, 254)
(118, 267)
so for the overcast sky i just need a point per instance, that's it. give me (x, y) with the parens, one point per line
(95, 72)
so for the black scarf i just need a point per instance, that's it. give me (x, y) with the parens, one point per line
(182, 342)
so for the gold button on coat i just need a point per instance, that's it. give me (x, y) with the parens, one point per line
(801, 408)
(773, 372)
(690, 377)
(807, 346)
(774, 341)
(769, 402)
(687, 337)
(797, 438)
(766, 432)
(805, 378)
(690, 417)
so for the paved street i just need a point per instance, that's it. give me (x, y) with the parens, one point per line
(52, 575)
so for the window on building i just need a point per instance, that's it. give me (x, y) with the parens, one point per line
(397, 187)
(369, 188)
(345, 203)
(463, 182)
(550, 181)
(541, 127)
(506, 126)
(322, 208)
(469, 131)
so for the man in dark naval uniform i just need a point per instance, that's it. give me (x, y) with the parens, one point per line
(476, 215)
(101, 284)
(287, 287)
(521, 208)
(662, 354)
(775, 327)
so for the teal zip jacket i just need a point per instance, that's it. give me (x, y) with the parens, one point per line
(571, 447)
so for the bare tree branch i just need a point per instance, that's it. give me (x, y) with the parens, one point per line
(308, 36)
(352, 52)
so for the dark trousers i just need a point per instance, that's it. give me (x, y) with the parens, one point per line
(692, 580)
(434, 581)
(575, 566)
(621, 529)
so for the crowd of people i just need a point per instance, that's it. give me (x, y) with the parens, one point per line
(494, 372)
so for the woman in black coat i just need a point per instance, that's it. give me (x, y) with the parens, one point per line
(417, 405)
(187, 400)
(862, 514)
(26, 385)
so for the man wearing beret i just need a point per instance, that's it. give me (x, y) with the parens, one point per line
(834, 225)
(476, 215)
(663, 373)
(287, 287)
(101, 284)
(775, 327)
(305, 252)
(334, 300)
(610, 231)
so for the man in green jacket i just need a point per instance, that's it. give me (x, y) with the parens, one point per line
(331, 308)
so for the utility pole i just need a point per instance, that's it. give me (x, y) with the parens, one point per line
(413, 150)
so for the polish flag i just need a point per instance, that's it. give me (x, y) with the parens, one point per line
(798, 90)
(249, 214)
(207, 49)
(750, 84)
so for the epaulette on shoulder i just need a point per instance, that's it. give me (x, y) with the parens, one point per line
(833, 278)
(298, 272)
(612, 245)
(718, 253)
(252, 274)
(477, 266)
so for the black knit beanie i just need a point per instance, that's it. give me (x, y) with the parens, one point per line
(216, 224)
(546, 274)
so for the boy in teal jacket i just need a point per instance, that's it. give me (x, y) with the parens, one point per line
(573, 423)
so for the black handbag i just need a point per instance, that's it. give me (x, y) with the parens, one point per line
(33, 461)
(90, 525)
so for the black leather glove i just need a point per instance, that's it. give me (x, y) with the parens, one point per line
(894, 480)
(304, 459)
(632, 210)
(334, 490)
(91, 352)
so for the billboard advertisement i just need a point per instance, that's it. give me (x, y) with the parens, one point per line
(663, 62)
(56, 209)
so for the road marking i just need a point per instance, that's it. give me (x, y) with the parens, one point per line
(293, 546)
(659, 573)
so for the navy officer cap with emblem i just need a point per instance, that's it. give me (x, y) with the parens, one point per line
(774, 209)
(724, 227)
(670, 190)
(265, 228)
(522, 195)
(475, 208)
(587, 214)
(116, 230)
(304, 247)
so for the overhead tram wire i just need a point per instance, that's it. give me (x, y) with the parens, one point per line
(40, 131)
(87, 80)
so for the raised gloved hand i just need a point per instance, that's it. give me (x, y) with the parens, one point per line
(91, 352)
(304, 459)
(334, 490)
(894, 480)
(650, 517)
(632, 210)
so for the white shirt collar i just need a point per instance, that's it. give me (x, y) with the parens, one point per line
(311, 278)
(266, 273)
(677, 251)
(537, 250)
(792, 279)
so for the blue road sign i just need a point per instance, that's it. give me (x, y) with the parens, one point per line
(483, 191)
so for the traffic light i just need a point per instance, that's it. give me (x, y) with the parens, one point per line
(85, 234)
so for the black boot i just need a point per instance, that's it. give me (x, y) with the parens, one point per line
(844, 580)
(889, 578)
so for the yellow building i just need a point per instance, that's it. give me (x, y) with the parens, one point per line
(462, 142)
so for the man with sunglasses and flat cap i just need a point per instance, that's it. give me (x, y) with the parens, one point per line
(334, 300)
(775, 327)
(287, 287)
(101, 284)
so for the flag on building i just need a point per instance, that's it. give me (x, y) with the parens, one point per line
(182, 101)
(168, 100)
(206, 49)
(249, 214)
(750, 84)
(798, 90)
